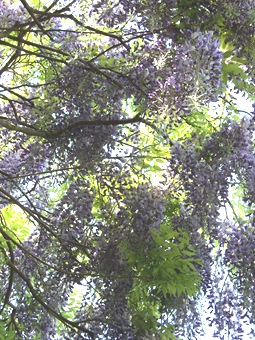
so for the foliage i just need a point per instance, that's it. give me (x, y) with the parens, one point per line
(126, 168)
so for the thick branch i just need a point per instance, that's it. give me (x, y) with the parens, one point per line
(24, 129)
(81, 123)
(56, 133)
(49, 135)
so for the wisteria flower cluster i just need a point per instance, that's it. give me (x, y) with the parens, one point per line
(189, 66)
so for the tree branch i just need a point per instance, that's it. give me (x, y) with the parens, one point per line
(11, 276)
(31, 12)
(45, 305)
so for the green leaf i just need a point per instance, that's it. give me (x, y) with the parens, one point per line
(227, 54)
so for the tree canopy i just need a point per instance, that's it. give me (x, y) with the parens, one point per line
(127, 169)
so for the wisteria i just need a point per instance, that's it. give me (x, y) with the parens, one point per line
(189, 68)
(130, 168)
